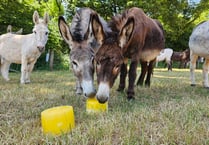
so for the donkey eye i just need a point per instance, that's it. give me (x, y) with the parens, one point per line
(75, 63)
(47, 33)
(34, 32)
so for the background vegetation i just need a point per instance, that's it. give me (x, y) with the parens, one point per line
(178, 17)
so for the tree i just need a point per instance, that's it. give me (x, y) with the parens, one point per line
(178, 17)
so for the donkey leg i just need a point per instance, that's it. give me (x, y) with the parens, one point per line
(193, 59)
(79, 89)
(149, 73)
(169, 66)
(24, 70)
(143, 73)
(5, 69)
(29, 70)
(205, 73)
(123, 74)
(132, 78)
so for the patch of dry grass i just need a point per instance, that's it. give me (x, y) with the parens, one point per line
(169, 112)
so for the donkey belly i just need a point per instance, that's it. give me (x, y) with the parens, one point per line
(11, 54)
(199, 47)
(149, 55)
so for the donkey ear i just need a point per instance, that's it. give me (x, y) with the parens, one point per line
(126, 32)
(46, 18)
(19, 31)
(64, 31)
(9, 29)
(97, 29)
(35, 17)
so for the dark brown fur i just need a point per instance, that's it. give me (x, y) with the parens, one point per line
(137, 37)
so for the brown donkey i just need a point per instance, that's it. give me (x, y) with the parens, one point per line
(134, 36)
(183, 57)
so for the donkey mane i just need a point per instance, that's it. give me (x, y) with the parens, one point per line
(80, 24)
(118, 21)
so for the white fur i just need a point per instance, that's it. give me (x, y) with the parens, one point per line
(165, 54)
(88, 88)
(24, 49)
(103, 91)
(199, 46)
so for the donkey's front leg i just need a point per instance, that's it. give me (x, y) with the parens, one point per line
(123, 74)
(24, 70)
(5, 69)
(132, 78)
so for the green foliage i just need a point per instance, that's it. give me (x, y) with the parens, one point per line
(178, 17)
(17, 14)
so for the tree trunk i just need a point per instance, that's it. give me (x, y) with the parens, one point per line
(51, 60)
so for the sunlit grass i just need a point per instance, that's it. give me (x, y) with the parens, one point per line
(169, 112)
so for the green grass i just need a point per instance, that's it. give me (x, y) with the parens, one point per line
(170, 112)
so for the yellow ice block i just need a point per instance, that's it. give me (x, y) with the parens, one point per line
(92, 105)
(57, 120)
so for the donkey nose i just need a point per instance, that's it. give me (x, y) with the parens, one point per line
(90, 95)
(102, 100)
(41, 48)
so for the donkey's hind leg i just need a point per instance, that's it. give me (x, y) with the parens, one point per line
(149, 73)
(28, 72)
(5, 69)
(78, 88)
(205, 73)
(193, 59)
(143, 73)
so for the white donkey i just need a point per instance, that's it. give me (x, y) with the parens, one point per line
(24, 49)
(199, 46)
(165, 55)
(9, 30)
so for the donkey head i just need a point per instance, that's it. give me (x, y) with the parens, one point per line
(109, 56)
(40, 30)
(82, 59)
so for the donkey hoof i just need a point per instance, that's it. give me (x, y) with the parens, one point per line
(207, 88)
(27, 81)
(7, 79)
(193, 85)
(139, 84)
(130, 98)
(120, 89)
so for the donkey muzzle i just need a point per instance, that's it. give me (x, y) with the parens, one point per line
(41, 48)
(103, 92)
